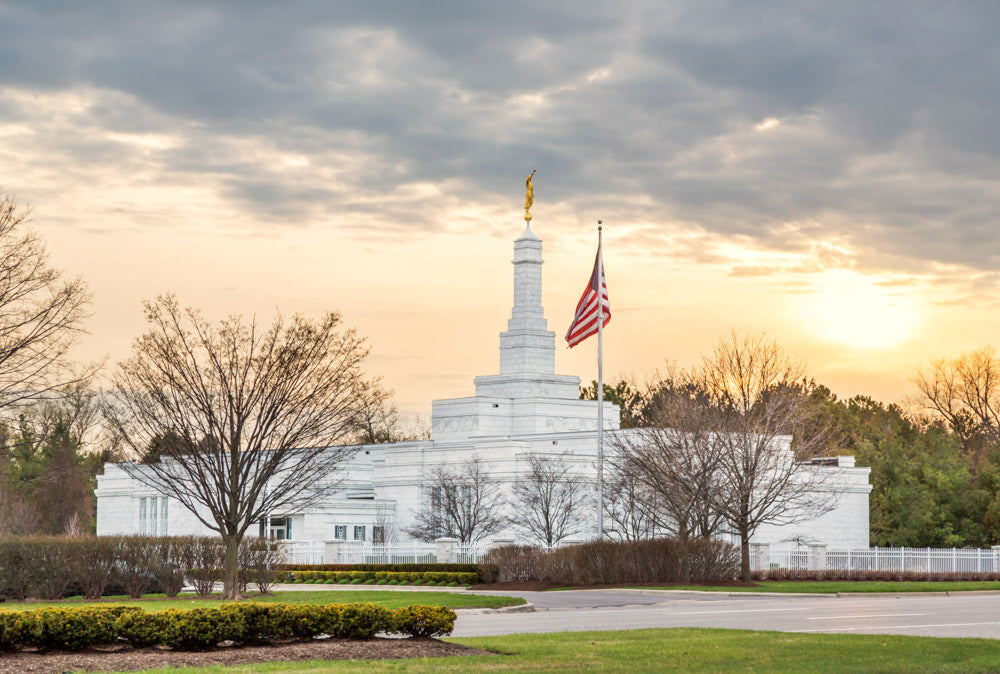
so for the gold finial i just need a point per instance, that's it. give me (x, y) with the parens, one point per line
(529, 197)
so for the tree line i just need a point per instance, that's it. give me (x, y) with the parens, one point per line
(235, 420)
(226, 417)
(934, 457)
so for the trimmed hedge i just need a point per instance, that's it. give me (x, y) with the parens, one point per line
(862, 574)
(451, 568)
(53, 567)
(382, 577)
(202, 628)
(660, 560)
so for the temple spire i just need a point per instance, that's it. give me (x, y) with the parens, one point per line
(527, 347)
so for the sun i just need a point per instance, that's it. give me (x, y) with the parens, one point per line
(860, 311)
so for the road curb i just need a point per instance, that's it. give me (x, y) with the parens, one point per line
(834, 595)
(520, 608)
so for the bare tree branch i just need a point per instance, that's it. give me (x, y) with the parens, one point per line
(254, 415)
(549, 499)
(753, 386)
(462, 502)
(41, 314)
(965, 393)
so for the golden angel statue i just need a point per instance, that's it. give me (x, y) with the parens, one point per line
(529, 197)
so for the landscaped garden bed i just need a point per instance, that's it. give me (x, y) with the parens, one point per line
(429, 578)
(123, 659)
(38, 639)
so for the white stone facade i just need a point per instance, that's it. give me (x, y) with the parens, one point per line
(524, 410)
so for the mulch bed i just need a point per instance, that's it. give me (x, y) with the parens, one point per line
(124, 660)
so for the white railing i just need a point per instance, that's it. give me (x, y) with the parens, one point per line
(387, 554)
(303, 552)
(358, 552)
(471, 554)
(922, 560)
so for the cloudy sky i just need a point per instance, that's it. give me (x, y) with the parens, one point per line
(824, 172)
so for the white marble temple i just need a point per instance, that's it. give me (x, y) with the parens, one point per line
(525, 409)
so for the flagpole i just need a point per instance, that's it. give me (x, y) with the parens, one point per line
(600, 390)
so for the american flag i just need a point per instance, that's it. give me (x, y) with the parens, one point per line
(585, 321)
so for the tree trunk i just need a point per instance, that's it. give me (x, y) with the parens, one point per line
(744, 555)
(231, 568)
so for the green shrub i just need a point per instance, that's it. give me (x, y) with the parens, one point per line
(10, 635)
(27, 629)
(452, 568)
(71, 629)
(142, 629)
(201, 628)
(359, 621)
(423, 621)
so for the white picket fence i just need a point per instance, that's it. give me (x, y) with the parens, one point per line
(925, 560)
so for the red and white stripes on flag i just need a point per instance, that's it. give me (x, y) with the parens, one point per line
(585, 321)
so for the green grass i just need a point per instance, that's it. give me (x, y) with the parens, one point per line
(834, 586)
(386, 598)
(682, 650)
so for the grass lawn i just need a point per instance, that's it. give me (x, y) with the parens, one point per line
(386, 598)
(834, 586)
(684, 650)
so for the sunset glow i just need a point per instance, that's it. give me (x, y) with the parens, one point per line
(837, 194)
(856, 311)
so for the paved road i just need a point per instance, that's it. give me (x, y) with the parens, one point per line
(959, 615)
(965, 615)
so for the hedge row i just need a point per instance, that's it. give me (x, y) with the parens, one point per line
(409, 568)
(201, 628)
(383, 577)
(53, 567)
(661, 560)
(863, 575)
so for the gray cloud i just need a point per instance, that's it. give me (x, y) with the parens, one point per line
(883, 134)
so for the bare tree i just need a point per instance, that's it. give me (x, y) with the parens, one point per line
(385, 520)
(259, 414)
(463, 502)
(753, 389)
(677, 456)
(630, 508)
(41, 313)
(378, 419)
(549, 500)
(965, 393)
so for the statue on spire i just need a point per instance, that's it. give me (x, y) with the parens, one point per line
(529, 197)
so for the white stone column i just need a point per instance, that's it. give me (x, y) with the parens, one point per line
(446, 550)
(331, 551)
(763, 551)
(817, 557)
